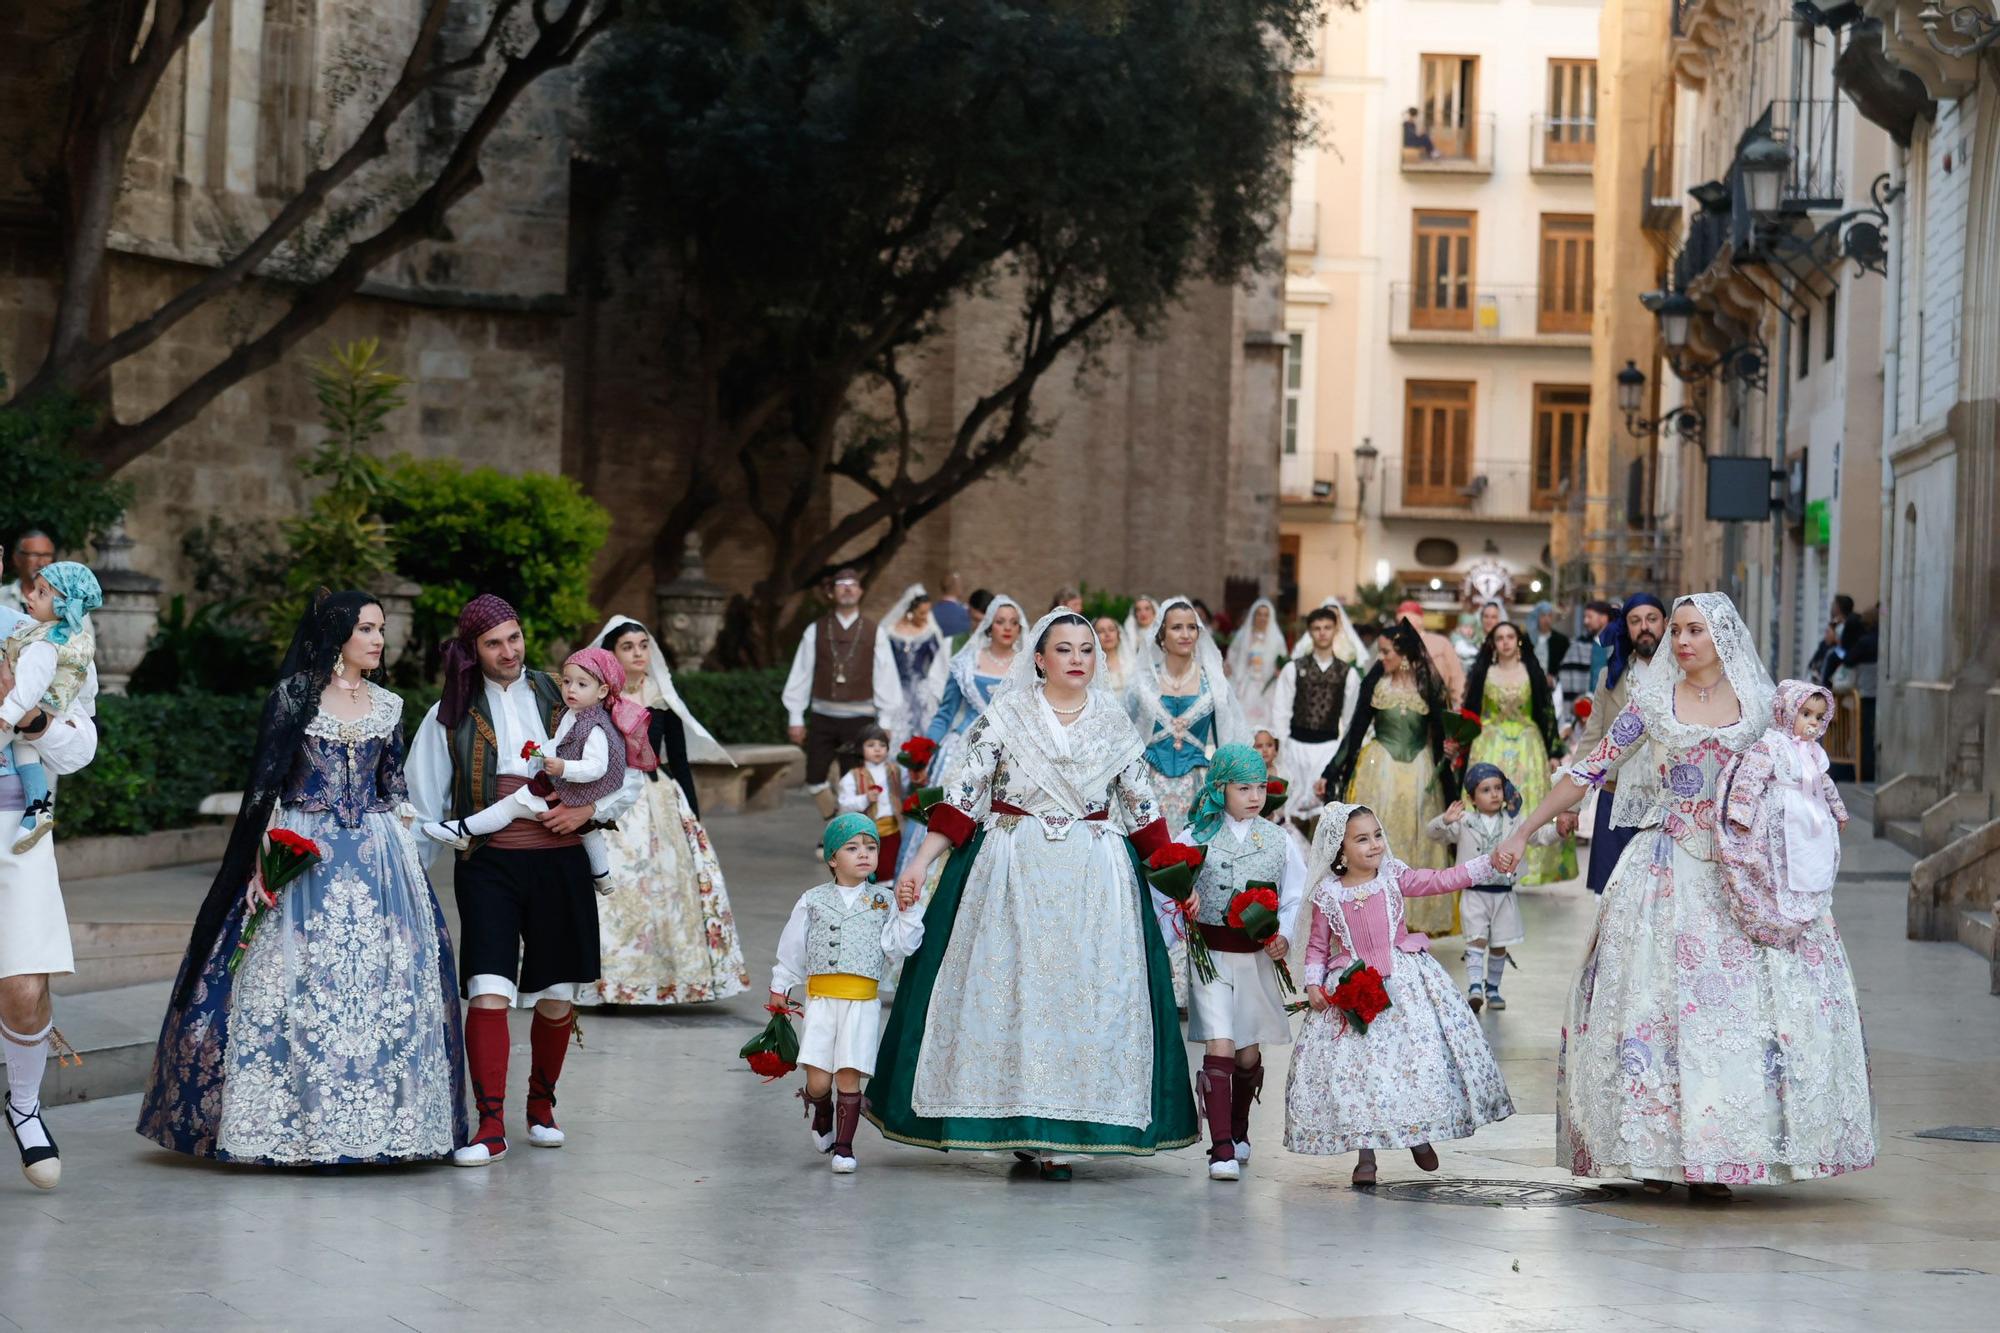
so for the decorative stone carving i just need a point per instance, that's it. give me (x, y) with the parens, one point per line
(691, 608)
(130, 614)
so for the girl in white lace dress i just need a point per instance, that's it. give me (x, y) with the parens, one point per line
(1421, 1072)
(1690, 1052)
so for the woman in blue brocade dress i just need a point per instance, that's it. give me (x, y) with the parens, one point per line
(337, 1039)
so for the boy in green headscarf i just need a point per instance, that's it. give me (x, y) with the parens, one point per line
(1243, 1008)
(50, 656)
(841, 940)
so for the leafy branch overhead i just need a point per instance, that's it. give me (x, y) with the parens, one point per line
(830, 185)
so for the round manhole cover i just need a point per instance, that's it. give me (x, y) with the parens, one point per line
(1498, 1193)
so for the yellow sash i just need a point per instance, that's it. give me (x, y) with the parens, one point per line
(842, 986)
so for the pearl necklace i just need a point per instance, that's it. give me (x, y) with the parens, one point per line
(1065, 712)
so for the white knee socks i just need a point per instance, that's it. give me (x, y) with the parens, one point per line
(1475, 965)
(1496, 967)
(27, 1058)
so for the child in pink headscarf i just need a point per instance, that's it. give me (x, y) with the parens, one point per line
(1779, 840)
(601, 735)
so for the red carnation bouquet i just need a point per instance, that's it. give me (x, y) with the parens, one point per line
(1582, 710)
(1172, 870)
(917, 805)
(1275, 792)
(917, 753)
(1461, 728)
(1255, 912)
(774, 1051)
(531, 750)
(283, 858)
(1360, 995)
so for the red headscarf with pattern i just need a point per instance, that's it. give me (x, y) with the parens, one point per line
(461, 654)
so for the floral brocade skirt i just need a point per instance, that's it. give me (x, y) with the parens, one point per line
(337, 1040)
(666, 934)
(1516, 749)
(1405, 796)
(1690, 1053)
(1421, 1073)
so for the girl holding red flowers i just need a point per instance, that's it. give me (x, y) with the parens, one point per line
(336, 1040)
(1420, 1072)
(1242, 1008)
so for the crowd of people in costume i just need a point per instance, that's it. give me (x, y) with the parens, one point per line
(1052, 839)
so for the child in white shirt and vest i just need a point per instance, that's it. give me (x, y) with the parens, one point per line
(872, 787)
(1489, 913)
(839, 944)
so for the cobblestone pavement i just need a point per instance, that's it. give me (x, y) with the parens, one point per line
(688, 1196)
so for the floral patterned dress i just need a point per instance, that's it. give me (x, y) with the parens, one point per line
(666, 934)
(337, 1040)
(1689, 1051)
(1510, 741)
(1396, 777)
(1422, 1072)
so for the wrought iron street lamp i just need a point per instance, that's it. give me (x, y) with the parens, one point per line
(1676, 315)
(1685, 422)
(1980, 30)
(1366, 456)
(1764, 161)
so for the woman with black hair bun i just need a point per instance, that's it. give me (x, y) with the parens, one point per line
(1518, 736)
(334, 1039)
(1392, 760)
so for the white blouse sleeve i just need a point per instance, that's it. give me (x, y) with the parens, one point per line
(790, 969)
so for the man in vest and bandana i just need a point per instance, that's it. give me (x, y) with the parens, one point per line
(526, 904)
(844, 677)
(1310, 708)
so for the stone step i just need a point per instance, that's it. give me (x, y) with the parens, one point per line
(115, 1032)
(1975, 932)
(111, 954)
(1907, 834)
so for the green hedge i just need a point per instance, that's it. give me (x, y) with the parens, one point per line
(157, 756)
(737, 707)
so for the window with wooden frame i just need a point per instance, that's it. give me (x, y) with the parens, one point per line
(1437, 443)
(1568, 272)
(1448, 103)
(1562, 423)
(1571, 127)
(1441, 277)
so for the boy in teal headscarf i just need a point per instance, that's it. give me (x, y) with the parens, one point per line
(50, 655)
(1243, 1008)
(841, 940)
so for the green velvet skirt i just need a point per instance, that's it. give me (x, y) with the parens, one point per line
(1174, 1122)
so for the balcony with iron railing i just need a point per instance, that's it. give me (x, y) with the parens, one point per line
(1463, 149)
(1309, 483)
(1562, 145)
(1464, 490)
(1810, 128)
(1451, 311)
(1302, 228)
(1659, 206)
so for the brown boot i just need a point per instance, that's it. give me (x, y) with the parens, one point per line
(819, 1110)
(1214, 1084)
(846, 1119)
(1246, 1086)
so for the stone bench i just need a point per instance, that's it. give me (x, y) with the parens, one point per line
(762, 776)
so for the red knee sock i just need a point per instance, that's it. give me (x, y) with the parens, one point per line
(548, 1043)
(1245, 1088)
(846, 1119)
(486, 1060)
(1217, 1071)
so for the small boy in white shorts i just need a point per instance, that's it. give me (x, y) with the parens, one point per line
(1489, 913)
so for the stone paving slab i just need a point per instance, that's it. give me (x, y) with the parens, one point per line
(689, 1196)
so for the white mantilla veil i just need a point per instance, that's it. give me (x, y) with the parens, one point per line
(1347, 645)
(1069, 763)
(1741, 666)
(1248, 639)
(965, 662)
(1135, 638)
(902, 607)
(1231, 728)
(1332, 831)
(702, 748)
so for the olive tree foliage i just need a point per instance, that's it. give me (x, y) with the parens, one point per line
(826, 182)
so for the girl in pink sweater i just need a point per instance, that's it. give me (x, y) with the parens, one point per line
(1421, 1071)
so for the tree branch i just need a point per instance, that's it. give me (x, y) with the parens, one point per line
(559, 45)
